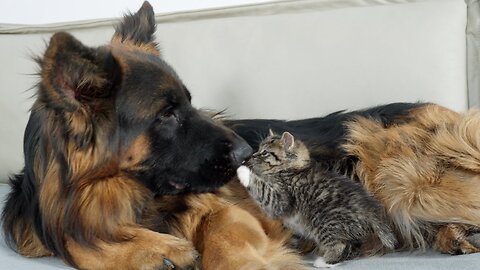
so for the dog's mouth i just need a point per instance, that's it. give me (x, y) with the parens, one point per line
(248, 162)
(178, 186)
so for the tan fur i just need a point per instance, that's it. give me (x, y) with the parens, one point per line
(229, 237)
(133, 156)
(49, 196)
(424, 171)
(129, 45)
(107, 204)
(145, 250)
(28, 243)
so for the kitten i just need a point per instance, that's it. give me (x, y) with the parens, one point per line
(330, 209)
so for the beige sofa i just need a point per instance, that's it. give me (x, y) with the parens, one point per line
(288, 59)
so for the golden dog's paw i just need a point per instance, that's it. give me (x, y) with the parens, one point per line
(457, 239)
(158, 261)
(146, 250)
(169, 265)
(164, 252)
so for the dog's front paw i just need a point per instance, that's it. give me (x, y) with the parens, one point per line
(195, 264)
(243, 173)
(154, 251)
(182, 256)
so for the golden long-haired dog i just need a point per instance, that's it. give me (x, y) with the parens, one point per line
(121, 172)
(420, 160)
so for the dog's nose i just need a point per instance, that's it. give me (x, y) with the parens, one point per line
(241, 150)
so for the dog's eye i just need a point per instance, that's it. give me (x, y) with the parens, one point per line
(166, 114)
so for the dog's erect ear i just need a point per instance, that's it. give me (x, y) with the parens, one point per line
(138, 30)
(73, 74)
(288, 141)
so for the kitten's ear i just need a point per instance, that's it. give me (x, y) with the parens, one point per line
(288, 141)
(270, 132)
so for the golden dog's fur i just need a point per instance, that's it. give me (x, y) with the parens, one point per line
(425, 173)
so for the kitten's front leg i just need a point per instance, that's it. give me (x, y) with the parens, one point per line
(321, 263)
(244, 174)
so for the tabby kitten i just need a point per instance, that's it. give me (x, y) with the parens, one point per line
(330, 209)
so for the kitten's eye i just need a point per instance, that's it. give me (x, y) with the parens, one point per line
(264, 153)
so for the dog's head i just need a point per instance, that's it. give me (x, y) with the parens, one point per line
(121, 109)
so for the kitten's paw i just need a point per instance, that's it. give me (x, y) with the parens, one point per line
(243, 173)
(320, 263)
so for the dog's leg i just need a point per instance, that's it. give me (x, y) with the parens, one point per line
(234, 239)
(457, 239)
(28, 244)
(145, 250)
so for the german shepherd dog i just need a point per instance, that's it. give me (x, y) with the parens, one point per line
(121, 172)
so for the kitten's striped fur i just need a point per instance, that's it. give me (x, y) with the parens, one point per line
(328, 208)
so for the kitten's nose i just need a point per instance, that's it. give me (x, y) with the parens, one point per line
(241, 150)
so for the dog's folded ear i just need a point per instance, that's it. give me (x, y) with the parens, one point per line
(138, 30)
(77, 82)
(74, 74)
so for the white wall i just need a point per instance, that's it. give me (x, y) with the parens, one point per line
(51, 11)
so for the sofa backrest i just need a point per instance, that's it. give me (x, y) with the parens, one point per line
(289, 59)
